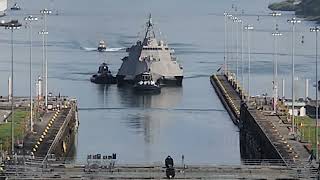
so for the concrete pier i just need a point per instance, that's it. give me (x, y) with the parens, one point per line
(230, 98)
(53, 130)
(55, 134)
(263, 135)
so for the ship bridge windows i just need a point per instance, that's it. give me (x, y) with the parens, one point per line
(152, 49)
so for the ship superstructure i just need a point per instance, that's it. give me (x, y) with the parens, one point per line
(151, 55)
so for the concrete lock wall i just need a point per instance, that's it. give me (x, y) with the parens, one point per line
(65, 146)
(254, 144)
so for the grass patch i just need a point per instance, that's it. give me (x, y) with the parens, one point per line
(307, 129)
(20, 122)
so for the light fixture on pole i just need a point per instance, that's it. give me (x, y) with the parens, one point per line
(12, 25)
(45, 12)
(275, 71)
(293, 21)
(249, 28)
(31, 19)
(316, 30)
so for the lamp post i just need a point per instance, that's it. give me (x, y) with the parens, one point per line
(44, 33)
(12, 25)
(237, 21)
(232, 18)
(275, 14)
(249, 28)
(31, 19)
(316, 30)
(242, 62)
(225, 68)
(293, 21)
(228, 16)
(275, 70)
(45, 12)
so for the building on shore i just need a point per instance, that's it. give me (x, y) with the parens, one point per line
(311, 109)
(3, 7)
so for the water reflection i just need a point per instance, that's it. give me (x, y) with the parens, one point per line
(168, 98)
(102, 90)
(151, 110)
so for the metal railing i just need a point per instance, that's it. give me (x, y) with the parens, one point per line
(271, 168)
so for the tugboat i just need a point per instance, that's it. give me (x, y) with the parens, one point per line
(164, 68)
(102, 46)
(15, 7)
(146, 84)
(103, 76)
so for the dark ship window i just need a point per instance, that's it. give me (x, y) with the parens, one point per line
(153, 49)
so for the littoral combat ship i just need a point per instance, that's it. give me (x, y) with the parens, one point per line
(153, 56)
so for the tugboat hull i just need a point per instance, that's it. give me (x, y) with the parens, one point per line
(103, 79)
(101, 49)
(147, 89)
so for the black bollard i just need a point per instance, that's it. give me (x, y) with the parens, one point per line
(170, 172)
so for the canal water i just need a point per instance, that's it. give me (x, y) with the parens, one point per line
(190, 120)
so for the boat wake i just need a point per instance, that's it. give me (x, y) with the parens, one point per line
(105, 50)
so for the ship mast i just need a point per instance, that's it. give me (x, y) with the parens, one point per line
(149, 29)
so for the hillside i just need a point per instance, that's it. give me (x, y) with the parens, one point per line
(309, 9)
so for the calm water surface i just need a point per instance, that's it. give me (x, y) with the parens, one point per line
(189, 120)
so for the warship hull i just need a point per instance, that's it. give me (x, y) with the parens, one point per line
(176, 81)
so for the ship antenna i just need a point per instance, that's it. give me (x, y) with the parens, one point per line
(150, 20)
(149, 26)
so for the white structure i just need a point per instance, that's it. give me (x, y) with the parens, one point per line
(307, 88)
(9, 88)
(39, 88)
(299, 108)
(3, 7)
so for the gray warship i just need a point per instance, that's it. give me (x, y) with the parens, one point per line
(151, 55)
